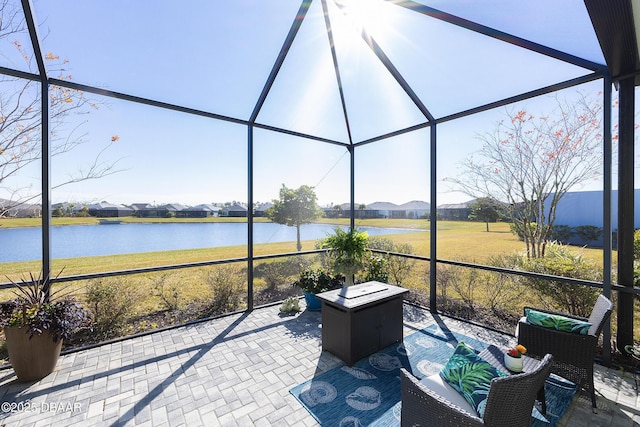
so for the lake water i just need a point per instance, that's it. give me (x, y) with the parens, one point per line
(72, 241)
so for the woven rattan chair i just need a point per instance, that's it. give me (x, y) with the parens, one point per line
(509, 403)
(573, 353)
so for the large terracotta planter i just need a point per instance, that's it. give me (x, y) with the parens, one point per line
(31, 359)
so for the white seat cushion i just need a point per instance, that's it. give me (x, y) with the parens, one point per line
(436, 384)
(603, 304)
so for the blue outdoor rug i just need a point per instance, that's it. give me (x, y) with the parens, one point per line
(368, 394)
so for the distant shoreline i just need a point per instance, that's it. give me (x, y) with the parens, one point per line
(399, 223)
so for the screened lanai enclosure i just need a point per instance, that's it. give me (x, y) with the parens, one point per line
(377, 105)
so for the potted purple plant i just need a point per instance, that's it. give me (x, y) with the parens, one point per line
(35, 324)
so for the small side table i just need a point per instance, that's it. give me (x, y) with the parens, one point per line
(362, 319)
(495, 356)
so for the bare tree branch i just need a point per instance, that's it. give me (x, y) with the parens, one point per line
(531, 162)
(20, 121)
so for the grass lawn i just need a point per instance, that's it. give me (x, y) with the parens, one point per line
(456, 240)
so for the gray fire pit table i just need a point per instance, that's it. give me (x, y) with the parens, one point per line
(360, 320)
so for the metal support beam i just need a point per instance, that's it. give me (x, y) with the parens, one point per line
(45, 181)
(250, 219)
(46, 188)
(30, 20)
(293, 31)
(500, 35)
(625, 210)
(433, 214)
(352, 190)
(336, 67)
(607, 156)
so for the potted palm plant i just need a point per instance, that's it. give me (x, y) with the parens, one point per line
(348, 252)
(35, 323)
(313, 281)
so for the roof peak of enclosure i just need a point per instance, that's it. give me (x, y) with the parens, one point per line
(343, 71)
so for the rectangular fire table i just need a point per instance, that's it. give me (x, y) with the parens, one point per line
(360, 320)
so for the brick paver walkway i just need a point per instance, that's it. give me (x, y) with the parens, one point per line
(236, 370)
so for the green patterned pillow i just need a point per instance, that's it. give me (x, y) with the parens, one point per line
(556, 321)
(470, 375)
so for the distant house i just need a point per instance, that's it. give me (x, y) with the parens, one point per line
(364, 211)
(416, 209)
(234, 211)
(30, 211)
(13, 209)
(138, 209)
(577, 208)
(260, 210)
(455, 212)
(172, 208)
(150, 211)
(199, 211)
(65, 208)
(139, 206)
(343, 211)
(387, 210)
(144, 210)
(336, 211)
(109, 210)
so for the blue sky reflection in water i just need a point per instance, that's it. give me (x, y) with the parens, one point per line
(96, 240)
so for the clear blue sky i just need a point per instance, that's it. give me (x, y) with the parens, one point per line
(216, 56)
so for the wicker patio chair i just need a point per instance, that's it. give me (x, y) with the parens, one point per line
(509, 403)
(573, 354)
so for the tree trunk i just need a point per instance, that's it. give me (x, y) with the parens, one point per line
(298, 237)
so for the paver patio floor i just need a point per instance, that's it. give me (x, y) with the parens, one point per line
(235, 370)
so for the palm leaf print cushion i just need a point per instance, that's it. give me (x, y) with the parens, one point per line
(556, 321)
(470, 375)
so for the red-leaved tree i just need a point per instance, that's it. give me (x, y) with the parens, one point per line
(529, 162)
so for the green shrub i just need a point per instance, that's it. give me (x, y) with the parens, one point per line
(517, 230)
(503, 292)
(278, 272)
(227, 284)
(112, 302)
(170, 293)
(376, 269)
(589, 233)
(444, 277)
(561, 233)
(397, 268)
(400, 268)
(636, 244)
(316, 280)
(562, 261)
(464, 281)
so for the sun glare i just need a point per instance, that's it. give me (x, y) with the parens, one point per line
(373, 16)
